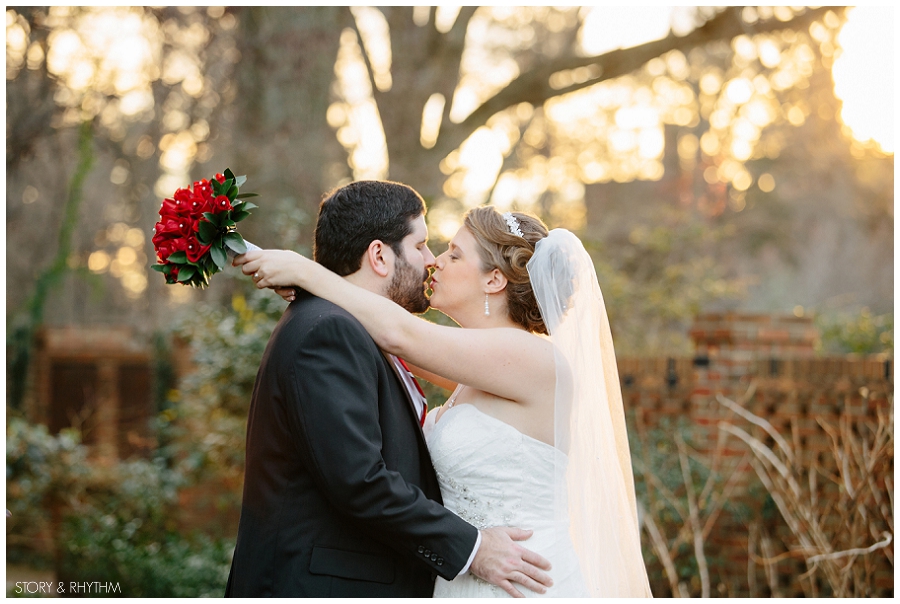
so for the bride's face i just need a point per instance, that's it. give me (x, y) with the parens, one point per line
(457, 283)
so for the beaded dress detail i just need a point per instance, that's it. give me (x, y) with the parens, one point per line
(491, 474)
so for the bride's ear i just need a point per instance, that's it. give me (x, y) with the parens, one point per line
(496, 282)
(380, 258)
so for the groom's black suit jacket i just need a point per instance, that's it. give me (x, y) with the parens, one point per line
(340, 498)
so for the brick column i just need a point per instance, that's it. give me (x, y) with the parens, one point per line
(733, 348)
(107, 413)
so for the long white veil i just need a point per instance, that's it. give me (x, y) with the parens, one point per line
(598, 485)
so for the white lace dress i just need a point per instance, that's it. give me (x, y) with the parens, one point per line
(493, 475)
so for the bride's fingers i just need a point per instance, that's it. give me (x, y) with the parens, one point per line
(250, 268)
(287, 293)
(245, 257)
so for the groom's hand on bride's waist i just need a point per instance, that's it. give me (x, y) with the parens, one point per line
(501, 561)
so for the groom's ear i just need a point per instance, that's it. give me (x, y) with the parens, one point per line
(379, 257)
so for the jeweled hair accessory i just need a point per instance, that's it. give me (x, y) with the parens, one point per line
(513, 225)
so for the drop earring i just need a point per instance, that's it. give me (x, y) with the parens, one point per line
(487, 306)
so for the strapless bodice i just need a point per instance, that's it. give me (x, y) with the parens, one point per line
(493, 475)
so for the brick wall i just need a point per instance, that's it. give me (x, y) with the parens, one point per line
(98, 379)
(793, 390)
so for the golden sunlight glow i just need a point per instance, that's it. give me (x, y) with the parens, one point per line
(98, 261)
(611, 27)
(356, 116)
(766, 183)
(863, 74)
(373, 28)
(431, 120)
(481, 156)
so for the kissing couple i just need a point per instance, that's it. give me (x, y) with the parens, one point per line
(520, 484)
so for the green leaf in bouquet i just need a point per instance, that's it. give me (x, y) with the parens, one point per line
(227, 173)
(201, 280)
(217, 252)
(240, 180)
(216, 187)
(208, 232)
(249, 205)
(178, 257)
(214, 217)
(246, 195)
(239, 215)
(186, 272)
(235, 242)
(161, 268)
(232, 192)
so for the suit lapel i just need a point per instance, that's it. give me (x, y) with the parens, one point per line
(433, 490)
(410, 402)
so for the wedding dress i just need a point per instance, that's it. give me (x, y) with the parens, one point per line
(577, 495)
(493, 475)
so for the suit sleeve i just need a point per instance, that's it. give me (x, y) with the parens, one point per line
(333, 402)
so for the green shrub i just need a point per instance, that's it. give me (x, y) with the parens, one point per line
(861, 332)
(99, 522)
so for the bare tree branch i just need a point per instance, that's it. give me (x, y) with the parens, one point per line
(365, 54)
(694, 517)
(662, 552)
(533, 86)
(858, 551)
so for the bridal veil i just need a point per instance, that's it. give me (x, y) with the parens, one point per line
(589, 420)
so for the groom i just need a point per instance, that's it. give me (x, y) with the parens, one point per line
(340, 498)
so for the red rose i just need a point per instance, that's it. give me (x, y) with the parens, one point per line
(220, 177)
(168, 246)
(195, 251)
(168, 227)
(222, 203)
(203, 188)
(179, 226)
(172, 208)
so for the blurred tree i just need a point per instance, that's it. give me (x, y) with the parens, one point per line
(426, 61)
(275, 127)
(174, 90)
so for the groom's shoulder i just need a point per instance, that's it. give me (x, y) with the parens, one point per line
(309, 312)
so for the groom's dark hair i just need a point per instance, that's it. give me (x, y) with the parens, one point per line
(353, 216)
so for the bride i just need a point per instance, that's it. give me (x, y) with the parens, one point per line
(534, 432)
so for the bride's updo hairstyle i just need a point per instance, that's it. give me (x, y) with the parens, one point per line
(499, 248)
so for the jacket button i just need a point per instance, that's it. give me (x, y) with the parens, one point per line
(421, 549)
(440, 561)
(434, 557)
(427, 552)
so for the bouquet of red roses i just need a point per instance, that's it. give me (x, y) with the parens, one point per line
(196, 229)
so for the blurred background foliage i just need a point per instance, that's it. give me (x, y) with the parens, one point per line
(708, 157)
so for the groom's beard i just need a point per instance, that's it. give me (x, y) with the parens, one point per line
(407, 287)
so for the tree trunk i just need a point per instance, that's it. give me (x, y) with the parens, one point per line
(275, 130)
(424, 61)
